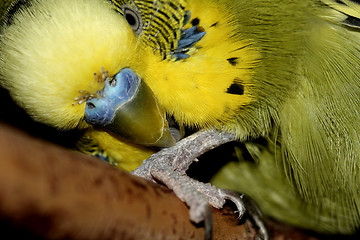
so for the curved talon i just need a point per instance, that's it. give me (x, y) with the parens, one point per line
(208, 224)
(256, 215)
(236, 199)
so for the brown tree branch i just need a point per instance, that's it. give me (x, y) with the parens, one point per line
(56, 193)
(51, 192)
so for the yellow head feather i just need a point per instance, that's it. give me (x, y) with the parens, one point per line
(53, 48)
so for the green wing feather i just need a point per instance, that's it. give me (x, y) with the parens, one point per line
(313, 151)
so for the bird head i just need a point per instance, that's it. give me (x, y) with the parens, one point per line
(59, 57)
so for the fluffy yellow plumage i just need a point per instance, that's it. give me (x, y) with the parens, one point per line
(56, 55)
(215, 106)
(122, 154)
(55, 51)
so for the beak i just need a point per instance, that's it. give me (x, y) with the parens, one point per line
(128, 108)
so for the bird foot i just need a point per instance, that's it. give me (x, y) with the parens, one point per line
(169, 166)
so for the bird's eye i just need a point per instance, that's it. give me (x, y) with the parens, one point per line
(133, 18)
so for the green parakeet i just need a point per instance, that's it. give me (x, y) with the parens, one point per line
(283, 73)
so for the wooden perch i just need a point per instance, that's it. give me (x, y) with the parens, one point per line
(49, 192)
(55, 193)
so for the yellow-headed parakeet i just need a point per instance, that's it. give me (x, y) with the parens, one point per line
(281, 77)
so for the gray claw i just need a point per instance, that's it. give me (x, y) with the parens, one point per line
(256, 215)
(208, 224)
(236, 199)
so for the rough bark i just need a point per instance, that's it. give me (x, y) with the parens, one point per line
(49, 192)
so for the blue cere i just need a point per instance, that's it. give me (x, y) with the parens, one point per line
(117, 91)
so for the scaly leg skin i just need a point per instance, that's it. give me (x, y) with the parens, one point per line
(169, 167)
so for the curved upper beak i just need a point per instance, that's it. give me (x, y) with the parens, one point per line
(128, 108)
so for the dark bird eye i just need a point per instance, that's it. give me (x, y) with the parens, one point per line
(133, 18)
